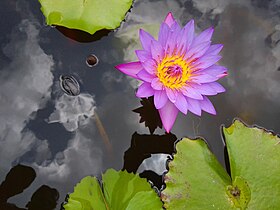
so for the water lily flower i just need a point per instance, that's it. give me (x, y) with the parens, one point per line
(179, 70)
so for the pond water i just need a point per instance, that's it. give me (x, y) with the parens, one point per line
(64, 138)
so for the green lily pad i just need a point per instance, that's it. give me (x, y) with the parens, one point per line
(196, 180)
(119, 191)
(255, 156)
(85, 15)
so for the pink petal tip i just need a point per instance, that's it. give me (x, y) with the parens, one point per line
(131, 69)
(168, 115)
(169, 19)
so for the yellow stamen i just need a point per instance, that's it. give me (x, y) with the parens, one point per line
(173, 72)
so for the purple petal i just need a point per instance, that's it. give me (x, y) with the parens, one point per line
(206, 61)
(214, 70)
(143, 55)
(181, 103)
(145, 39)
(169, 19)
(145, 76)
(217, 87)
(175, 27)
(197, 51)
(157, 51)
(203, 78)
(203, 36)
(145, 90)
(130, 69)
(204, 89)
(207, 106)
(156, 84)
(171, 43)
(150, 66)
(160, 98)
(186, 37)
(194, 106)
(214, 49)
(171, 94)
(168, 115)
(191, 92)
(163, 34)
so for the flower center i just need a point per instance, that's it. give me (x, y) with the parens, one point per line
(173, 72)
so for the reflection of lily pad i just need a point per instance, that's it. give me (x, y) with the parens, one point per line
(149, 114)
(119, 191)
(86, 15)
(196, 180)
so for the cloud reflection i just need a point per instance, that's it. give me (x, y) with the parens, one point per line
(26, 82)
(80, 158)
(73, 111)
(254, 64)
(25, 88)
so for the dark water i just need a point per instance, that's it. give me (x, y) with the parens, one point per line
(59, 135)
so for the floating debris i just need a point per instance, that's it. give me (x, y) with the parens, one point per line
(69, 85)
(92, 60)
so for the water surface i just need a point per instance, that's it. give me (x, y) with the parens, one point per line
(57, 134)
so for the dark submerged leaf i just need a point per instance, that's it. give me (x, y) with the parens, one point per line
(44, 198)
(17, 180)
(143, 146)
(82, 36)
(149, 114)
